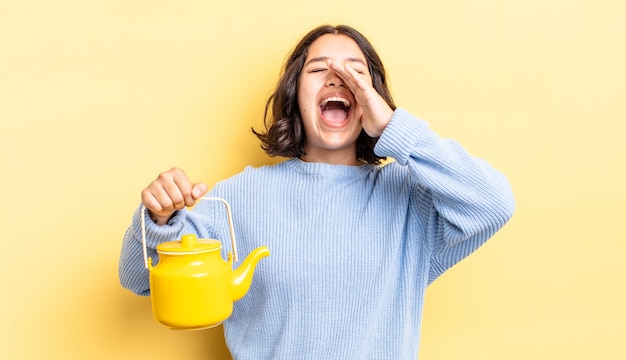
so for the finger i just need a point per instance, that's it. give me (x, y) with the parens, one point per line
(198, 190)
(181, 191)
(350, 77)
(150, 202)
(167, 192)
(357, 79)
(156, 199)
(340, 72)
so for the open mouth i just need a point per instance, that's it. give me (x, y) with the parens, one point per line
(335, 109)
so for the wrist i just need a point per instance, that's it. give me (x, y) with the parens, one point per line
(160, 219)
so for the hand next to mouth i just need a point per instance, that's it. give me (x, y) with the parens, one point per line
(376, 112)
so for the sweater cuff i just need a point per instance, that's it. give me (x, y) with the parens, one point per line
(400, 136)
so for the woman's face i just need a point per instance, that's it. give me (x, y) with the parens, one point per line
(330, 115)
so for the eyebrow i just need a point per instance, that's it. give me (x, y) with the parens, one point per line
(324, 58)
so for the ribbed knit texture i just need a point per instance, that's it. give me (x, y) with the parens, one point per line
(353, 248)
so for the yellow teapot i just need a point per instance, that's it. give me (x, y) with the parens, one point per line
(192, 287)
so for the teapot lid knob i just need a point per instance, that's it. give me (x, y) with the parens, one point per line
(189, 241)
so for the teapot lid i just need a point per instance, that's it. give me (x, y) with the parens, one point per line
(189, 243)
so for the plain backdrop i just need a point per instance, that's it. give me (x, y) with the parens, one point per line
(98, 97)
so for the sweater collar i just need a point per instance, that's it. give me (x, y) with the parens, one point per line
(324, 169)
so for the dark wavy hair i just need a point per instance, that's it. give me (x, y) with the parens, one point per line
(284, 132)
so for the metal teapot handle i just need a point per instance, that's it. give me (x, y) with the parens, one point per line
(230, 224)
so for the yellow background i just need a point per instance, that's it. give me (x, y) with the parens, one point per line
(98, 97)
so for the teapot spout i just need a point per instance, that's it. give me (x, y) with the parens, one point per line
(242, 276)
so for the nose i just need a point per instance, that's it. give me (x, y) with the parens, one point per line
(333, 79)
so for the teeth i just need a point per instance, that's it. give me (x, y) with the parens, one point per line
(345, 102)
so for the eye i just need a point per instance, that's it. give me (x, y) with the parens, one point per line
(360, 70)
(314, 70)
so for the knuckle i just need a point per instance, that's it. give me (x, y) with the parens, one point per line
(176, 171)
(163, 176)
(167, 204)
(177, 199)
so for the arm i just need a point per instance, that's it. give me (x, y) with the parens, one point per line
(469, 199)
(463, 199)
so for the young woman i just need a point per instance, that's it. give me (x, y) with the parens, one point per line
(354, 243)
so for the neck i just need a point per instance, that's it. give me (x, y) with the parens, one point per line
(332, 158)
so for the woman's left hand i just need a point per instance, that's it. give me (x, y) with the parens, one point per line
(376, 111)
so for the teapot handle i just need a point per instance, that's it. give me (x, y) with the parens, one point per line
(230, 224)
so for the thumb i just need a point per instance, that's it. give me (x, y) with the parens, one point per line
(198, 190)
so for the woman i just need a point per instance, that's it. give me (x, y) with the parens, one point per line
(354, 243)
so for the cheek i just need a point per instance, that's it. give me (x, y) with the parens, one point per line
(358, 111)
(307, 104)
(306, 111)
(303, 96)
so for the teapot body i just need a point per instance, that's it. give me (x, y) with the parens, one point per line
(192, 290)
(192, 287)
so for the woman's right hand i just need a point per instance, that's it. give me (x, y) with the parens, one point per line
(169, 192)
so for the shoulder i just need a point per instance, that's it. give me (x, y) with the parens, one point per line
(256, 174)
(399, 179)
(264, 170)
(393, 170)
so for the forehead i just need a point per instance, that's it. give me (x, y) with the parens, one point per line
(335, 47)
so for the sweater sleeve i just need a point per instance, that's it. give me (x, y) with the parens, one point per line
(132, 268)
(469, 200)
